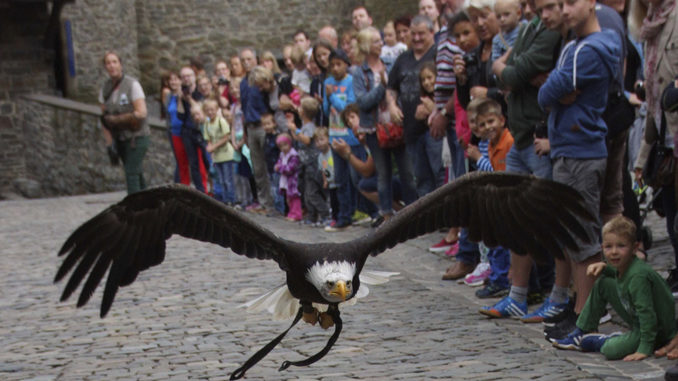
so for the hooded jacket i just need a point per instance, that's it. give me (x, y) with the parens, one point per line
(534, 52)
(586, 66)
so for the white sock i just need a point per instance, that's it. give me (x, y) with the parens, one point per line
(519, 294)
(559, 294)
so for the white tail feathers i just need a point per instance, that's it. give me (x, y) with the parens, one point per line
(278, 301)
(282, 305)
(375, 277)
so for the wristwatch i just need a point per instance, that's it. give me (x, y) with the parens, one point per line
(443, 112)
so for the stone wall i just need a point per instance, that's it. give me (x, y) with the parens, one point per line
(385, 10)
(25, 66)
(169, 32)
(98, 26)
(149, 36)
(172, 32)
(66, 154)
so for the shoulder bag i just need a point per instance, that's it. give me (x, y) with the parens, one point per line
(389, 134)
(660, 167)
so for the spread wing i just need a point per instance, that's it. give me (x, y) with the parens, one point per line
(519, 212)
(130, 236)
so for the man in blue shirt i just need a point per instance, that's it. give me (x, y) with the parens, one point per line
(253, 105)
(576, 94)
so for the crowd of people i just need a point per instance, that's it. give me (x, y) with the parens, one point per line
(350, 128)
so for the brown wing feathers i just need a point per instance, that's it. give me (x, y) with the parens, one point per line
(519, 212)
(129, 237)
(523, 213)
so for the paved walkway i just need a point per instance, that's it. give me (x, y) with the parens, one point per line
(179, 320)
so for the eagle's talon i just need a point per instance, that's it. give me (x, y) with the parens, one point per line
(325, 320)
(311, 317)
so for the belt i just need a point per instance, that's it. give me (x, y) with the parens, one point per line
(253, 124)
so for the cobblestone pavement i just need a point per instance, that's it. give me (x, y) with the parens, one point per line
(180, 320)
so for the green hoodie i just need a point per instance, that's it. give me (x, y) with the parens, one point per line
(648, 302)
(534, 52)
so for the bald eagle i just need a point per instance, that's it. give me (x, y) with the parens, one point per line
(521, 213)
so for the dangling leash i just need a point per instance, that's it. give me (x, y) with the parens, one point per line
(333, 311)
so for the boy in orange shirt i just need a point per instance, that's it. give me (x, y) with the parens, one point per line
(491, 125)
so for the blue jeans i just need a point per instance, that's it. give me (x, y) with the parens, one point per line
(369, 184)
(468, 251)
(456, 151)
(527, 161)
(500, 261)
(225, 175)
(347, 193)
(278, 196)
(217, 187)
(384, 169)
(428, 163)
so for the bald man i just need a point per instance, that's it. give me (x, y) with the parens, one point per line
(329, 34)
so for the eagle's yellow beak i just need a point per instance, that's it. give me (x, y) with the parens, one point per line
(339, 290)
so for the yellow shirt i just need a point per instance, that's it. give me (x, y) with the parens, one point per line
(214, 131)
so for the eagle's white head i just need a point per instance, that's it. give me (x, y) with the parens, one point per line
(334, 280)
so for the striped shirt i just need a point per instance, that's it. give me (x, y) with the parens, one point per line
(483, 164)
(446, 81)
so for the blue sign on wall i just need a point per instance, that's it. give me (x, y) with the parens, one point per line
(70, 55)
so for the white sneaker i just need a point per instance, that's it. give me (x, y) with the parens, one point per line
(478, 276)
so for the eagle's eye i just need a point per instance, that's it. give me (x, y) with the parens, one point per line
(348, 283)
(329, 284)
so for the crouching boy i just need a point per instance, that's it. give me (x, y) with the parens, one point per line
(636, 292)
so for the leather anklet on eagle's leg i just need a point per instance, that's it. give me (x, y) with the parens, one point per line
(261, 353)
(333, 311)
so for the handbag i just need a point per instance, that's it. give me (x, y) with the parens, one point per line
(619, 114)
(389, 134)
(660, 167)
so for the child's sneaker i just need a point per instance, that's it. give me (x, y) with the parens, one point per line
(506, 307)
(337, 227)
(562, 328)
(592, 342)
(453, 250)
(491, 290)
(441, 246)
(323, 223)
(547, 310)
(568, 313)
(377, 221)
(252, 207)
(571, 341)
(360, 218)
(478, 276)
